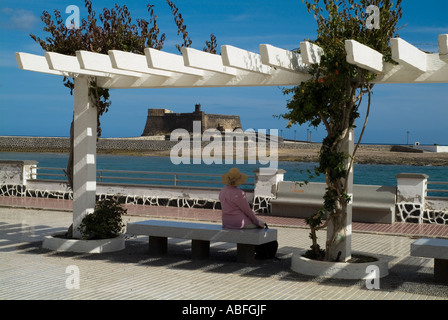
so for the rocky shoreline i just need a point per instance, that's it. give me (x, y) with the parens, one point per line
(287, 151)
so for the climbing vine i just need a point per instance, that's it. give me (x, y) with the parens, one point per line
(332, 97)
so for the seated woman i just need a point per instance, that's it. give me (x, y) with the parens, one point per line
(236, 212)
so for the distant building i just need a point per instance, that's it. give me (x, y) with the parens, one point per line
(164, 121)
(429, 148)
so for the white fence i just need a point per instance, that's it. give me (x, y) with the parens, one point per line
(418, 200)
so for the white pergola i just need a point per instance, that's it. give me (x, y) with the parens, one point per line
(235, 67)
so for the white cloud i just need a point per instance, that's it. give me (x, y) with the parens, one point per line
(17, 19)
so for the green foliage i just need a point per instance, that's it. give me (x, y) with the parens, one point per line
(333, 95)
(115, 32)
(113, 29)
(105, 222)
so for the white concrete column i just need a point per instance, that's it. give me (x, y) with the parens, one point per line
(411, 196)
(17, 172)
(84, 171)
(265, 184)
(411, 187)
(265, 188)
(344, 237)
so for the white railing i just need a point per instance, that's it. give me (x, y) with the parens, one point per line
(176, 179)
(437, 193)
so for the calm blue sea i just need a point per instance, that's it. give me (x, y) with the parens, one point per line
(370, 174)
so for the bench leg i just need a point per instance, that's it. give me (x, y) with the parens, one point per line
(200, 249)
(158, 245)
(245, 253)
(441, 270)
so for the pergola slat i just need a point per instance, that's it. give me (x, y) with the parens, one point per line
(363, 56)
(135, 62)
(443, 47)
(244, 60)
(65, 63)
(281, 58)
(310, 52)
(408, 55)
(206, 61)
(32, 62)
(169, 62)
(101, 63)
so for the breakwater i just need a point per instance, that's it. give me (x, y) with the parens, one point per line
(138, 144)
(287, 150)
(62, 144)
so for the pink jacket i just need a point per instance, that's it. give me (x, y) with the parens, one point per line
(236, 212)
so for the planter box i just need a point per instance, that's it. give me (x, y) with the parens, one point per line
(337, 270)
(84, 246)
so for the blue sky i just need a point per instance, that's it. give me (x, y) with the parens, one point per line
(36, 104)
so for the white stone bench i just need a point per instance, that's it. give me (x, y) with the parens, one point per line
(436, 249)
(370, 203)
(201, 234)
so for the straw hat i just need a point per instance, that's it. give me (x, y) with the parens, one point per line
(234, 177)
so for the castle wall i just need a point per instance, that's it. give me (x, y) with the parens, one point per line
(219, 120)
(164, 121)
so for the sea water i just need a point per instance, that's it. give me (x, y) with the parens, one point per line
(369, 174)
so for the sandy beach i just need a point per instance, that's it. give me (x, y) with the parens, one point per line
(366, 154)
(372, 154)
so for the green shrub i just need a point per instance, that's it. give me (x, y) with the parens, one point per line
(105, 222)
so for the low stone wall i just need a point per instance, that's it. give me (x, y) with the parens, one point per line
(34, 144)
(53, 144)
(104, 145)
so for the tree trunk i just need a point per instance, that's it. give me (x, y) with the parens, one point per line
(69, 174)
(69, 170)
(339, 189)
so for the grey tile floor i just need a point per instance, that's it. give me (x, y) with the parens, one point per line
(29, 272)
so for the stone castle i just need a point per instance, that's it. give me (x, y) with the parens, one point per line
(163, 121)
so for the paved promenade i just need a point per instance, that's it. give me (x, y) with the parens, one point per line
(29, 272)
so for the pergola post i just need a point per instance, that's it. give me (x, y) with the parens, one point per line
(84, 154)
(344, 236)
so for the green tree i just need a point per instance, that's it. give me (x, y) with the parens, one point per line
(113, 29)
(333, 96)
